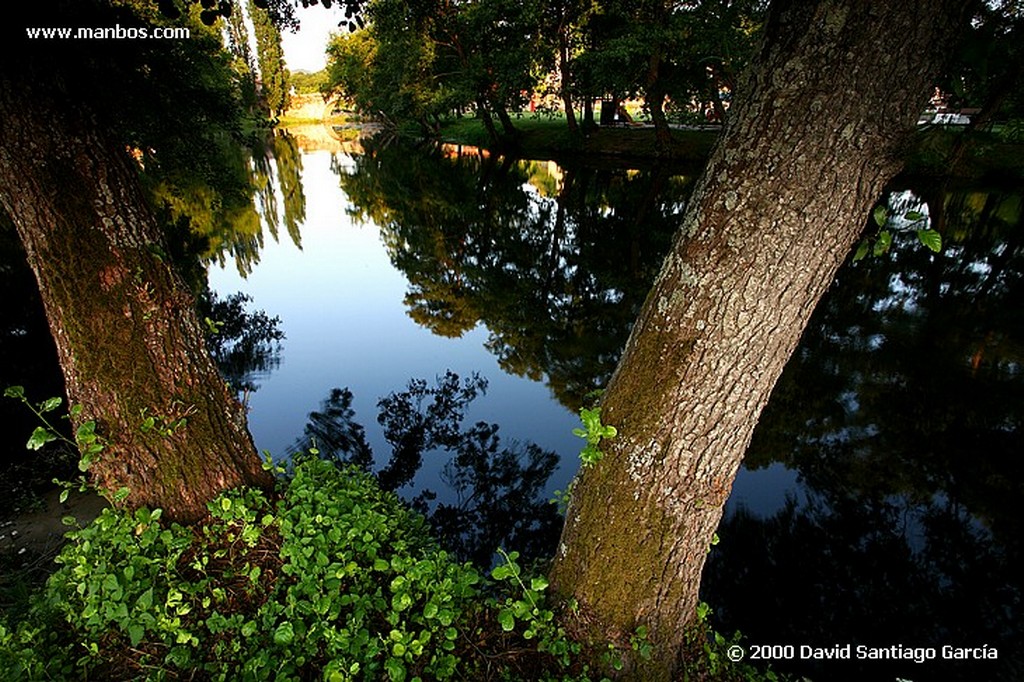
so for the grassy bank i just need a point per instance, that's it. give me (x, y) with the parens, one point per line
(549, 137)
(990, 155)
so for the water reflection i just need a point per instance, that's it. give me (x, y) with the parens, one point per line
(244, 345)
(495, 491)
(902, 412)
(555, 262)
(224, 219)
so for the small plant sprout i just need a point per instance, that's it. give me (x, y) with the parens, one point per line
(884, 220)
(87, 441)
(593, 431)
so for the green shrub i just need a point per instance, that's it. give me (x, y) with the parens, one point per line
(335, 579)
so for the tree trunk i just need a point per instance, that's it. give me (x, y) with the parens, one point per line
(589, 124)
(507, 126)
(128, 340)
(565, 73)
(655, 92)
(814, 136)
(485, 115)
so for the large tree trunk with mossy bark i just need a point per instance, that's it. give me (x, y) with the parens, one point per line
(127, 336)
(815, 134)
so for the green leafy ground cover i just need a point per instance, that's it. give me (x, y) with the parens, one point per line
(328, 578)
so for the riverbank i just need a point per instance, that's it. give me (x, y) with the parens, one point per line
(952, 152)
(548, 137)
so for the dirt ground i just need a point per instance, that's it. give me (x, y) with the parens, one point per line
(41, 532)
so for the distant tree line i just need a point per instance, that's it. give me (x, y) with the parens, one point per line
(415, 62)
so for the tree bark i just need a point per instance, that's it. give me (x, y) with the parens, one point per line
(815, 133)
(655, 93)
(484, 111)
(565, 72)
(127, 336)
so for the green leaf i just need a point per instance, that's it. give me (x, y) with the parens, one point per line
(883, 242)
(225, 503)
(15, 392)
(284, 634)
(50, 404)
(396, 671)
(507, 620)
(40, 437)
(136, 632)
(539, 584)
(86, 432)
(930, 238)
(862, 250)
(880, 215)
(914, 215)
(145, 600)
(75, 410)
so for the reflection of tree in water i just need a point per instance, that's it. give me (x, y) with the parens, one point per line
(901, 410)
(868, 571)
(222, 218)
(554, 262)
(497, 488)
(283, 151)
(245, 345)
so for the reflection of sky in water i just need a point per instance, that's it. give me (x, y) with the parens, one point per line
(341, 307)
(763, 491)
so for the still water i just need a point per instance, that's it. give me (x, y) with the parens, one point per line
(344, 309)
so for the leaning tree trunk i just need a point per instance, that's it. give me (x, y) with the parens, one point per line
(129, 342)
(815, 135)
(655, 91)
